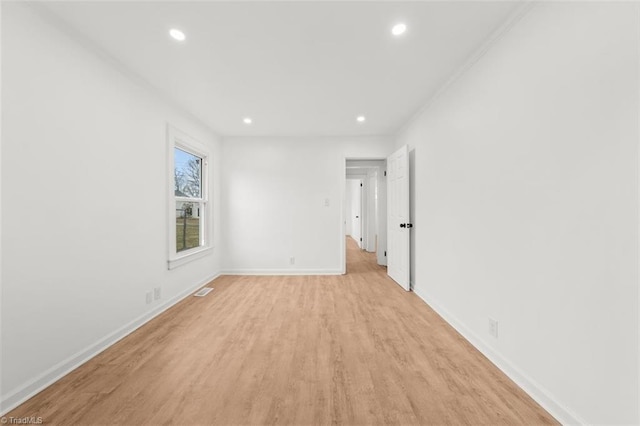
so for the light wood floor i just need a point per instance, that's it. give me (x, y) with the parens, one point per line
(353, 349)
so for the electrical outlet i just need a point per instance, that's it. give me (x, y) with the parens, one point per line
(493, 327)
(292, 260)
(149, 297)
(156, 293)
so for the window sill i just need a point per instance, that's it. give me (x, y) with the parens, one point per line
(189, 256)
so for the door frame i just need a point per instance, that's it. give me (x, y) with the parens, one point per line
(343, 195)
(362, 202)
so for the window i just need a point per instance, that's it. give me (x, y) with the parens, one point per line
(188, 206)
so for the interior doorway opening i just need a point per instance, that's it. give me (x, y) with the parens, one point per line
(353, 213)
(365, 206)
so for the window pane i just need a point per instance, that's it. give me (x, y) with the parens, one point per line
(188, 225)
(187, 174)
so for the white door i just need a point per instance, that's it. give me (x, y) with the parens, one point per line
(398, 223)
(356, 210)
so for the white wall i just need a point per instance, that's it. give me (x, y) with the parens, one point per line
(273, 202)
(525, 206)
(84, 196)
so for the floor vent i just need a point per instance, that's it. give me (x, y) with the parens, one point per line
(203, 291)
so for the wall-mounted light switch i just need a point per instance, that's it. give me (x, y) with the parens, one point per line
(493, 327)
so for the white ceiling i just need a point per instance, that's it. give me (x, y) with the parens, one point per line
(296, 68)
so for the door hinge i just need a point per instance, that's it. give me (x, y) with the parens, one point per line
(385, 253)
(360, 239)
(385, 172)
(360, 184)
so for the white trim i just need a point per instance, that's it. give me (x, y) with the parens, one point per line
(343, 187)
(1, 327)
(343, 217)
(176, 138)
(638, 226)
(46, 379)
(188, 256)
(190, 200)
(526, 383)
(270, 272)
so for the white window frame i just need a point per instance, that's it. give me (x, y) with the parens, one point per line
(178, 139)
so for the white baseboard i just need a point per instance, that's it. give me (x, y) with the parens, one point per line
(46, 379)
(527, 384)
(282, 272)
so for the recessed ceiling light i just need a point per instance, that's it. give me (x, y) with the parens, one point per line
(361, 119)
(177, 34)
(247, 120)
(398, 29)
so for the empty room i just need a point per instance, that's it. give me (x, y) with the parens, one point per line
(319, 212)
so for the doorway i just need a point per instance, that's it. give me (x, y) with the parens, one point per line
(365, 206)
(353, 212)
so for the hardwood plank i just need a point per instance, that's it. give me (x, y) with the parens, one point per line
(298, 350)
